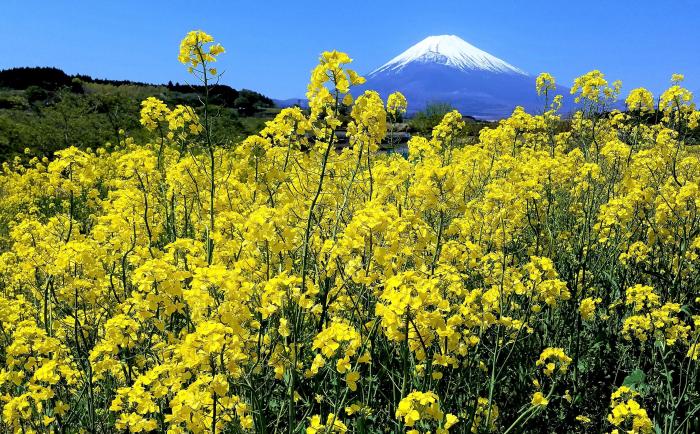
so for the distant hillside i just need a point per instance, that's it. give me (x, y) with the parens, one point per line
(291, 102)
(52, 79)
(45, 109)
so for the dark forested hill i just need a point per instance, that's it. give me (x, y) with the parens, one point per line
(45, 109)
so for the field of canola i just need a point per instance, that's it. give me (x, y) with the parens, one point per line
(543, 280)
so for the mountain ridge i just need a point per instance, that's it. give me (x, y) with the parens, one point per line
(447, 69)
(449, 50)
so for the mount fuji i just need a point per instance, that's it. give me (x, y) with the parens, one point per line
(447, 69)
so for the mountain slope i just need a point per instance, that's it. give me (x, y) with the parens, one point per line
(448, 50)
(448, 69)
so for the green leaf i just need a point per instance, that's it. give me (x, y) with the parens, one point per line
(635, 379)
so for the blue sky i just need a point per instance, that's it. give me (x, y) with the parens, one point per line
(272, 45)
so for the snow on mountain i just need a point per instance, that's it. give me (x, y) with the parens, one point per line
(449, 50)
(447, 69)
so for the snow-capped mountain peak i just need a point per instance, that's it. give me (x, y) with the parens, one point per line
(449, 50)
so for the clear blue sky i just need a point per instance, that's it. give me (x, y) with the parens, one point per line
(272, 45)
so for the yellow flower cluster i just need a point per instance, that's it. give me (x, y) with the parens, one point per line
(628, 413)
(551, 358)
(592, 87)
(332, 425)
(544, 83)
(181, 121)
(422, 407)
(198, 48)
(588, 306)
(330, 83)
(37, 369)
(396, 104)
(650, 317)
(285, 284)
(539, 400)
(640, 99)
(153, 112)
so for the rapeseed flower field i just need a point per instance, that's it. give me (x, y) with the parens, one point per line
(543, 279)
